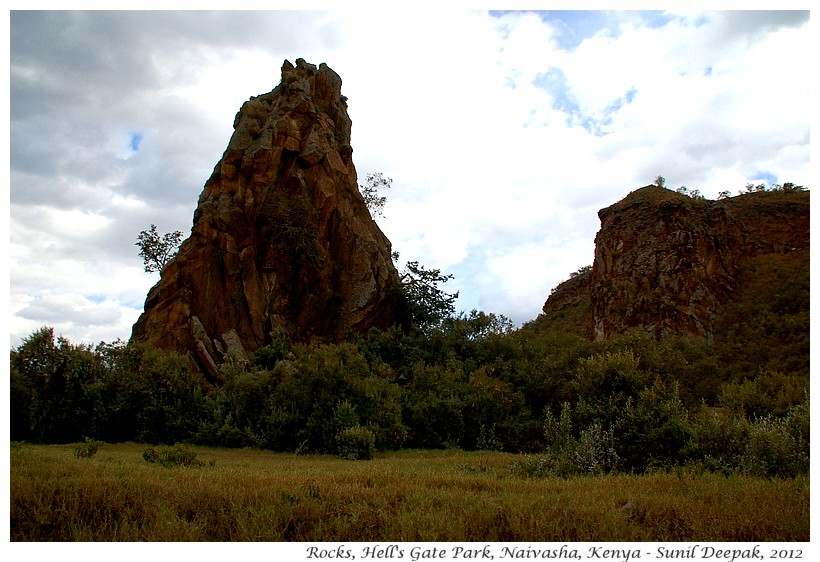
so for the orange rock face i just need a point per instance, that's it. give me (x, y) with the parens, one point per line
(281, 237)
(664, 261)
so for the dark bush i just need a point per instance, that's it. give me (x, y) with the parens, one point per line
(87, 449)
(355, 443)
(168, 457)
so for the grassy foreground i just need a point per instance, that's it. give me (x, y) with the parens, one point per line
(251, 495)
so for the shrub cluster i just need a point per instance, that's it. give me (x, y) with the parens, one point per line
(355, 443)
(571, 406)
(87, 449)
(177, 455)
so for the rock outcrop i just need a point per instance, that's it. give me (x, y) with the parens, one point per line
(281, 237)
(664, 262)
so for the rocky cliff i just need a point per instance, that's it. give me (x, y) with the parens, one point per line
(281, 237)
(664, 262)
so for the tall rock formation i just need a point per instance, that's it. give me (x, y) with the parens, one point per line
(664, 262)
(281, 236)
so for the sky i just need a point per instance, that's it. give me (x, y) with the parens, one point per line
(504, 133)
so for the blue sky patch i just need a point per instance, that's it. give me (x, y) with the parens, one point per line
(573, 26)
(136, 139)
(765, 176)
(554, 81)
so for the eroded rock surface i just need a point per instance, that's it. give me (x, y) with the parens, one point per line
(664, 261)
(281, 237)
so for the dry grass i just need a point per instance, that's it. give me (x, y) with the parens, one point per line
(251, 495)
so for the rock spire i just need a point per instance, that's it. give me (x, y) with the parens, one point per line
(281, 237)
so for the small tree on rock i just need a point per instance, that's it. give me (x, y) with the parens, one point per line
(372, 190)
(156, 250)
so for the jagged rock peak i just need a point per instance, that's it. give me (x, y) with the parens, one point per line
(281, 237)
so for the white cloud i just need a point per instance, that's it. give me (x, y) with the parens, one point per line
(503, 135)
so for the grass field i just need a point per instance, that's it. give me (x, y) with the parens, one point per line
(252, 495)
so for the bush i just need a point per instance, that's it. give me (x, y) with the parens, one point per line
(717, 440)
(355, 443)
(778, 447)
(433, 408)
(278, 349)
(766, 447)
(172, 456)
(606, 383)
(88, 449)
(237, 410)
(542, 466)
(594, 452)
(487, 440)
(653, 429)
(771, 392)
(174, 398)
(325, 389)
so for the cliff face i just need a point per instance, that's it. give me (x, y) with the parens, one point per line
(665, 262)
(281, 237)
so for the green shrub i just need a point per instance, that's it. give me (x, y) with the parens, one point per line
(541, 466)
(771, 392)
(652, 429)
(87, 449)
(174, 398)
(169, 457)
(606, 383)
(355, 443)
(778, 447)
(717, 440)
(558, 431)
(487, 440)
(594, 452)
(309, 389)
(433, 408)
(278, 349)
(345, 416)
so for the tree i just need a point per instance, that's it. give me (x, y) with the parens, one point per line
(375, 184)
(693, 193)
(421, 302)
(156, 250)
(660, 181)
(54, 387)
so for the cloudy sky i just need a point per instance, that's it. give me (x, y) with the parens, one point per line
(504, 134)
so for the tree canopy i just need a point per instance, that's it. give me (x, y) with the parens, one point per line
(374, 186)
(422, 303)
(156, 250)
